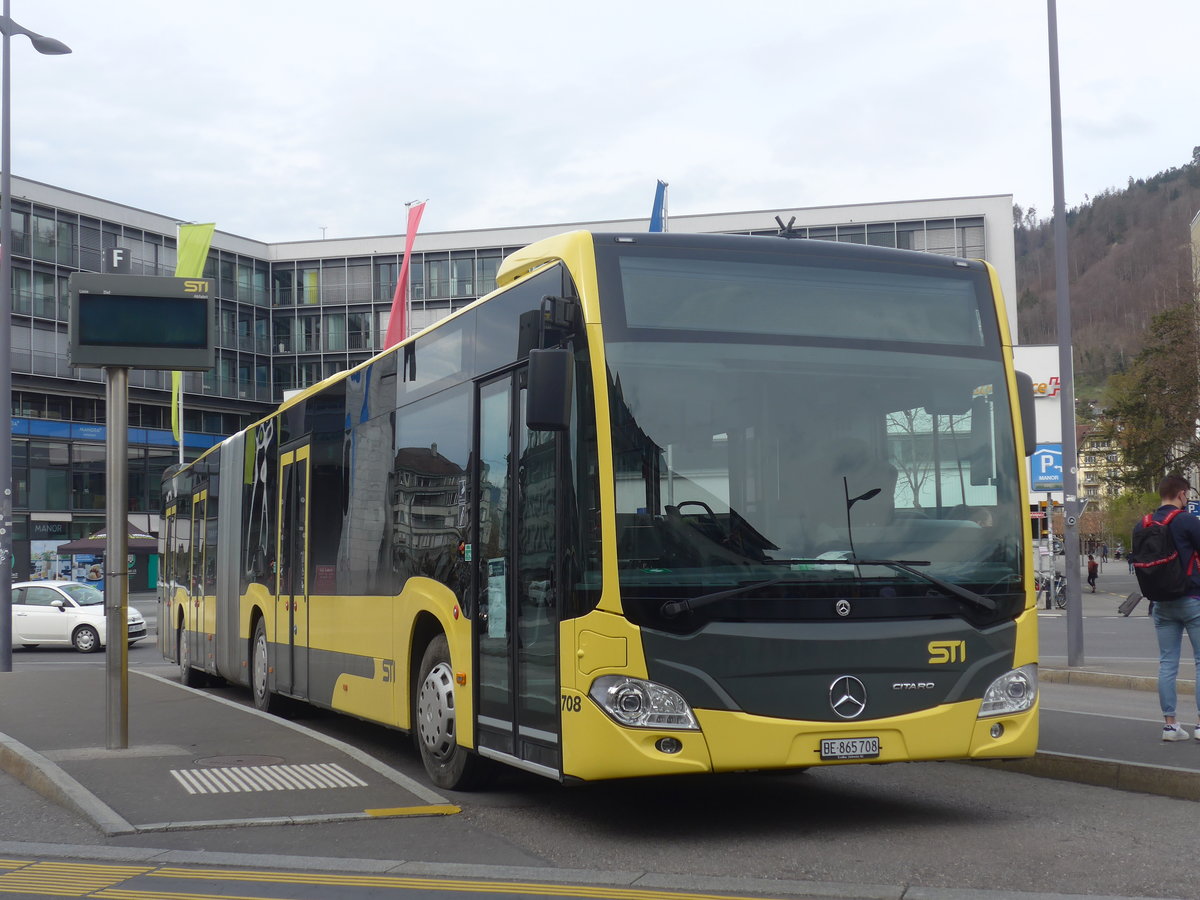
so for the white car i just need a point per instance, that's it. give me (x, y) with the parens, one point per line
(64, 612)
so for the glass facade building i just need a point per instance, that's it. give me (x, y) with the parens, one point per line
(291, 314)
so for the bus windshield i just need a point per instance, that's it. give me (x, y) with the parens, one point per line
(773, 420)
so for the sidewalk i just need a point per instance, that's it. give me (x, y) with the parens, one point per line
(193, 761)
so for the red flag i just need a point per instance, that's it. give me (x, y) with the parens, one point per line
(398, 320)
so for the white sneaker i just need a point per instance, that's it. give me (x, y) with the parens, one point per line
(1175, 733)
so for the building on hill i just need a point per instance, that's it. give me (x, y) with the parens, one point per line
(1100, 464)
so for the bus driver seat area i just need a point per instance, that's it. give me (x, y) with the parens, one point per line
(814, 497)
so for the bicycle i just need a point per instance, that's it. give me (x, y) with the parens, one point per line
(1042, 584)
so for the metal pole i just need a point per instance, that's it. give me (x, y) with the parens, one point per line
(116, 553)
(1066, 366)
(6, 547)
(180, 418)
(44, 45)
(1050, 547)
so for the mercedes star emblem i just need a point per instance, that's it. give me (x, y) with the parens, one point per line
(848, 697)
(842, 607)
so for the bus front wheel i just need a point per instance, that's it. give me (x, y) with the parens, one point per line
(435, 723)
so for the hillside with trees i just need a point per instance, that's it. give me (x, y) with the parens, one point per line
(1129, 260)
(1133, 315)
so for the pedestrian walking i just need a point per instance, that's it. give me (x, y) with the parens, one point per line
(1093, 571)
(1165, 573)
(1104, 552)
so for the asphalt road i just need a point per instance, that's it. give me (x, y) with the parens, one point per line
(936, 825)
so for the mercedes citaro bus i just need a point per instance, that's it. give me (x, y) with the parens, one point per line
(660, 503)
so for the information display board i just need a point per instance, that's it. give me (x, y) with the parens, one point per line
(142, 322)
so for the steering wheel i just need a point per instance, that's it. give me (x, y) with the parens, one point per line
(700, 503)
(1012, 581)
(708, 517)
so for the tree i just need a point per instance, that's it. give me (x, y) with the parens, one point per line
(1154, 406)
(1121, 513)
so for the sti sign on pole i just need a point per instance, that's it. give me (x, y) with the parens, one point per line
(1046, 471)
(121, 322)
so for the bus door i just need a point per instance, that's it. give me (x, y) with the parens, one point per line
(166, 584)
(193, 614)
(515, 552)
(291, 595)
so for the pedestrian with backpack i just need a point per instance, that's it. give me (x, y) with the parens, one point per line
(1093, 571)
(1165, 557)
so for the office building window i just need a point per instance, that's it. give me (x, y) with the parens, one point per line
(462, 275)
(437, 278)
(45, 238)
(48, 471)
(335, 331)
(282, 282)
(882, 235)
(488, 264)
(358, 331)
(283, 335)
(333, 282)
(89, 247)
(416, 278)
(358, 281)
(308, 284)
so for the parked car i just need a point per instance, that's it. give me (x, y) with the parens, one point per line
(66, 613)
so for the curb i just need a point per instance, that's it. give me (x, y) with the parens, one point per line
(1110, 680)
(48, 779)
(1164, 781)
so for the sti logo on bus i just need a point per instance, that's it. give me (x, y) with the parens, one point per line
(195, 286)
(942, 652)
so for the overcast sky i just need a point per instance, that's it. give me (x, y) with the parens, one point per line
(277, 119)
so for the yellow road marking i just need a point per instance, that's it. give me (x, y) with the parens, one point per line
(66, 879)
(100, 881)
(435, 884)
(434, 810)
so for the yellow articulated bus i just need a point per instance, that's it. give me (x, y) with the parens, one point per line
(661, 503)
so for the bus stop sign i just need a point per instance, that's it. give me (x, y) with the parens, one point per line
(141, 322)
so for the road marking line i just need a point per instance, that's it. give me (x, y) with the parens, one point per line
(245, 779)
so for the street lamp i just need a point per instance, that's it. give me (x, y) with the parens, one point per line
(50, 47)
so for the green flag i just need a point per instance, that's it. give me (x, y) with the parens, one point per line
(193, 243)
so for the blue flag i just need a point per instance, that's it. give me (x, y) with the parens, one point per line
(658, 216)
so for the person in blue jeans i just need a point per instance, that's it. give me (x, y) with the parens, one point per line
(1173, 617)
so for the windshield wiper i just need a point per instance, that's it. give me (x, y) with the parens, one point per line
(673, 608)
(902, 565)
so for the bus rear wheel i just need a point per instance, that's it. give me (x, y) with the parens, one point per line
(260, 686)
(188, 675)
(435, 724)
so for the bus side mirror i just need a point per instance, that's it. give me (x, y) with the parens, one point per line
(551, 378)
(1028, 419)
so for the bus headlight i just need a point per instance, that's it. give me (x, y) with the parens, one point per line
(642, 704)
(1012, 692)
